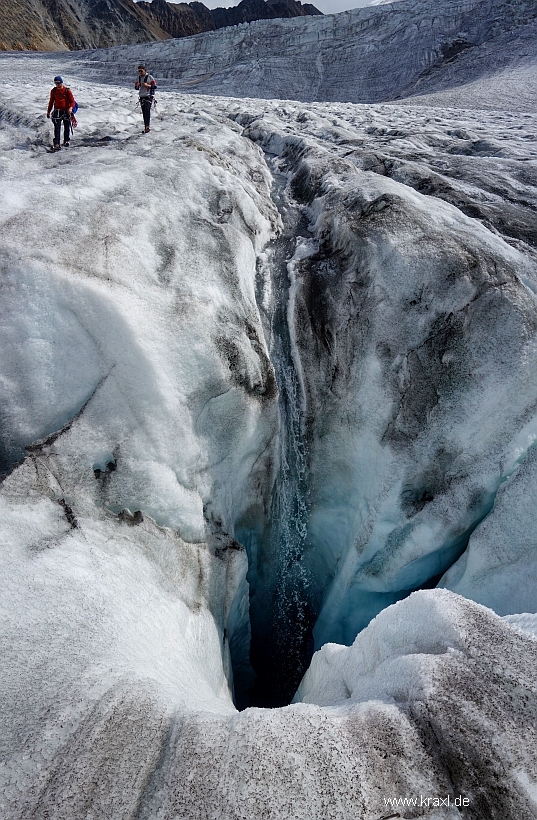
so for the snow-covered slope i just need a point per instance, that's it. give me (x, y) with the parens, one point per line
(298, 334)
(408, 48)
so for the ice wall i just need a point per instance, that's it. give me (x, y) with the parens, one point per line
(414, 327)
(499, 565)
(368, 55)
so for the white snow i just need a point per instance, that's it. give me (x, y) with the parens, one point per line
(394, 657)
(525, 621)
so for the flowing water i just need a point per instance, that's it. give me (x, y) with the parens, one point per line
(282, 618)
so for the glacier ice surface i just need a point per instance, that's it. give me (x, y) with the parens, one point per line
(136, 378)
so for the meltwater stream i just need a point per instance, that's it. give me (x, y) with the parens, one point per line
(281, 613)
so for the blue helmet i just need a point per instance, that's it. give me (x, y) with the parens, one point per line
(58, 79)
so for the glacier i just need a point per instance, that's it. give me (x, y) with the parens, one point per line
(268, 388)
(433, 50)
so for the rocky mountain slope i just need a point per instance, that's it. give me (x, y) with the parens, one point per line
(57, 25)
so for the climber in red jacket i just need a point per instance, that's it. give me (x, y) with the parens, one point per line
(61, 104)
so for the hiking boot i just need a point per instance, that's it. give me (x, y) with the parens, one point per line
(67, 143)
(147, 129)
(56, 147)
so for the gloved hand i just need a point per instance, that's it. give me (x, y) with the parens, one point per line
(48, 115)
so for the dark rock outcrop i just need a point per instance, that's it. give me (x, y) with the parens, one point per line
(180, 19)
(249, 10)
(183, 19)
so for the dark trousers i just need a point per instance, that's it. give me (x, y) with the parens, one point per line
(145, 102)
(60, 115)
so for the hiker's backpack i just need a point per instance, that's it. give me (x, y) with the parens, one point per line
(153, 87)
(75, 106)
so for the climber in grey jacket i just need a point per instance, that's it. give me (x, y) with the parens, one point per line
(147, 86)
